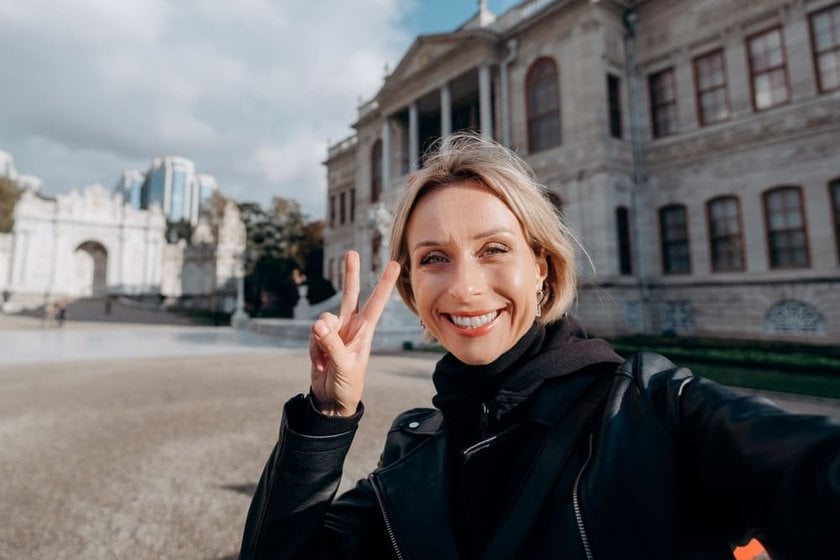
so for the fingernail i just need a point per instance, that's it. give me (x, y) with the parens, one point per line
(321, 329)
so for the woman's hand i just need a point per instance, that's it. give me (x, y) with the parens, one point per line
(339, 347)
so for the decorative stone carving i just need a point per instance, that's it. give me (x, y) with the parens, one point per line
(793, 317)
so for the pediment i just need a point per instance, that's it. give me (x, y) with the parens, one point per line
(424, 51)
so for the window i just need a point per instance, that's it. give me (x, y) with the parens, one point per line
(825, 39)
(724, 215)
(710, 81)
(622, 226)
(342, 208)
(673, 229)
(332, 211)
(834, 188)
(614, 103)
(376, 171)
(767, 69)
(786, 239)
(543, 109)
(663, 103)
(352, 205)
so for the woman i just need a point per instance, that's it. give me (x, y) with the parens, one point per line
(542, 443)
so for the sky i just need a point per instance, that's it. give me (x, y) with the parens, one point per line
(251, 91)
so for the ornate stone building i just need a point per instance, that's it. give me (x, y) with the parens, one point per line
(693, 144)
(90, 243)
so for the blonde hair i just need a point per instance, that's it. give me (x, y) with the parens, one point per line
(468, 157)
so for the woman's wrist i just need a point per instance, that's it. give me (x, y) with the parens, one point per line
(330, 409)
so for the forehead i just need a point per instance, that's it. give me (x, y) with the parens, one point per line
(462, 207)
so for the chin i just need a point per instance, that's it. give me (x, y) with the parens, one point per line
(475, 356)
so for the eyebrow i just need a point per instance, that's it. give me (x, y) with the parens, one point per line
(482, 235)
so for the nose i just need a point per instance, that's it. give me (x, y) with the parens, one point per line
(468, 279)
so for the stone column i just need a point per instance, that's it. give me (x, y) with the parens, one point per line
(485, 100)
(445, 110)
(413, 138)
(386, 153)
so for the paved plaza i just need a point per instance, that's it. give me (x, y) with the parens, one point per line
(124, 440)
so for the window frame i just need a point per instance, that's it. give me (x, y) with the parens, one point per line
(376, 159)
(553, 114)
(772, 257)
(715, 240)
(665, 243)
(624, 244)
(834, 197)
(700, 91)
(784, 66)
(815, 53)
(616, 125)
(657, 105)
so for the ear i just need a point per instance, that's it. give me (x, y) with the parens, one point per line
(542, 268)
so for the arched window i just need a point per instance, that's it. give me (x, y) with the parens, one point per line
(622, 229)
(787, 240)
(727, 247)
(543, 105)
(673, 234)
(376, 171)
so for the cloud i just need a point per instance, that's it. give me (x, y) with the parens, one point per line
(251, 91)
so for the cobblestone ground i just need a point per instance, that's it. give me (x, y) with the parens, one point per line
(156, 457)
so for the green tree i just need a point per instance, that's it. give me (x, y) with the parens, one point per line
(9, 195)
(281, 241)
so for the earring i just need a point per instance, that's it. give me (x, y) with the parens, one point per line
(540, 296)
(422, 325)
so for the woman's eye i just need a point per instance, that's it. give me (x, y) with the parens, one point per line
(432, 258)
(495, 249)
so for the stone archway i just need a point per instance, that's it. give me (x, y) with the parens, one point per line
(90, 262)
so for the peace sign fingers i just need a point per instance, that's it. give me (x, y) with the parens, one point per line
(350, 294)
(375, 305)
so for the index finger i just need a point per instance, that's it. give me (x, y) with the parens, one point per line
(350, 293)
(375, 305)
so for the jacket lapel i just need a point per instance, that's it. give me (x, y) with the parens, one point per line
(414, 492)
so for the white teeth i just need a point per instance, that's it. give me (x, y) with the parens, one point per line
(474, 322)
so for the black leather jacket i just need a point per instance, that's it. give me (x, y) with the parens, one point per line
(675, 467)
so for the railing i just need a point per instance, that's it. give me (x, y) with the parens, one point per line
(342, 146)
(367, 108)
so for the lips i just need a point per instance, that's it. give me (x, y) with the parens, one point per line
(473, 321)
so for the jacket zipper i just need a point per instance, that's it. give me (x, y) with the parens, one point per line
(388, 528)
(576, 502)
(484, 419)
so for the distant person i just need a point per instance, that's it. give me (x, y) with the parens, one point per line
(107, 305)
(543, 443)
(61, 314)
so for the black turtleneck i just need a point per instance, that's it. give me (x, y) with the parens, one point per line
(492, 401)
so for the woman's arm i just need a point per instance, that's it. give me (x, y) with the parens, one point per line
(764, 472)
(291, 514)
(288, 515)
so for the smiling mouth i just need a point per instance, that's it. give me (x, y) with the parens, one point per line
(473, 322)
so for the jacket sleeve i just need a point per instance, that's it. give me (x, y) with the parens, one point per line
(292, 515)
(763, 472)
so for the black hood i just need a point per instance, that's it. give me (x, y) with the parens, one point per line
(544, 352)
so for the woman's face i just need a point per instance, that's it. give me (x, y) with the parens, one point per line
(473, 274)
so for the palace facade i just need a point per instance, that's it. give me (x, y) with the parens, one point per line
(694, 145)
